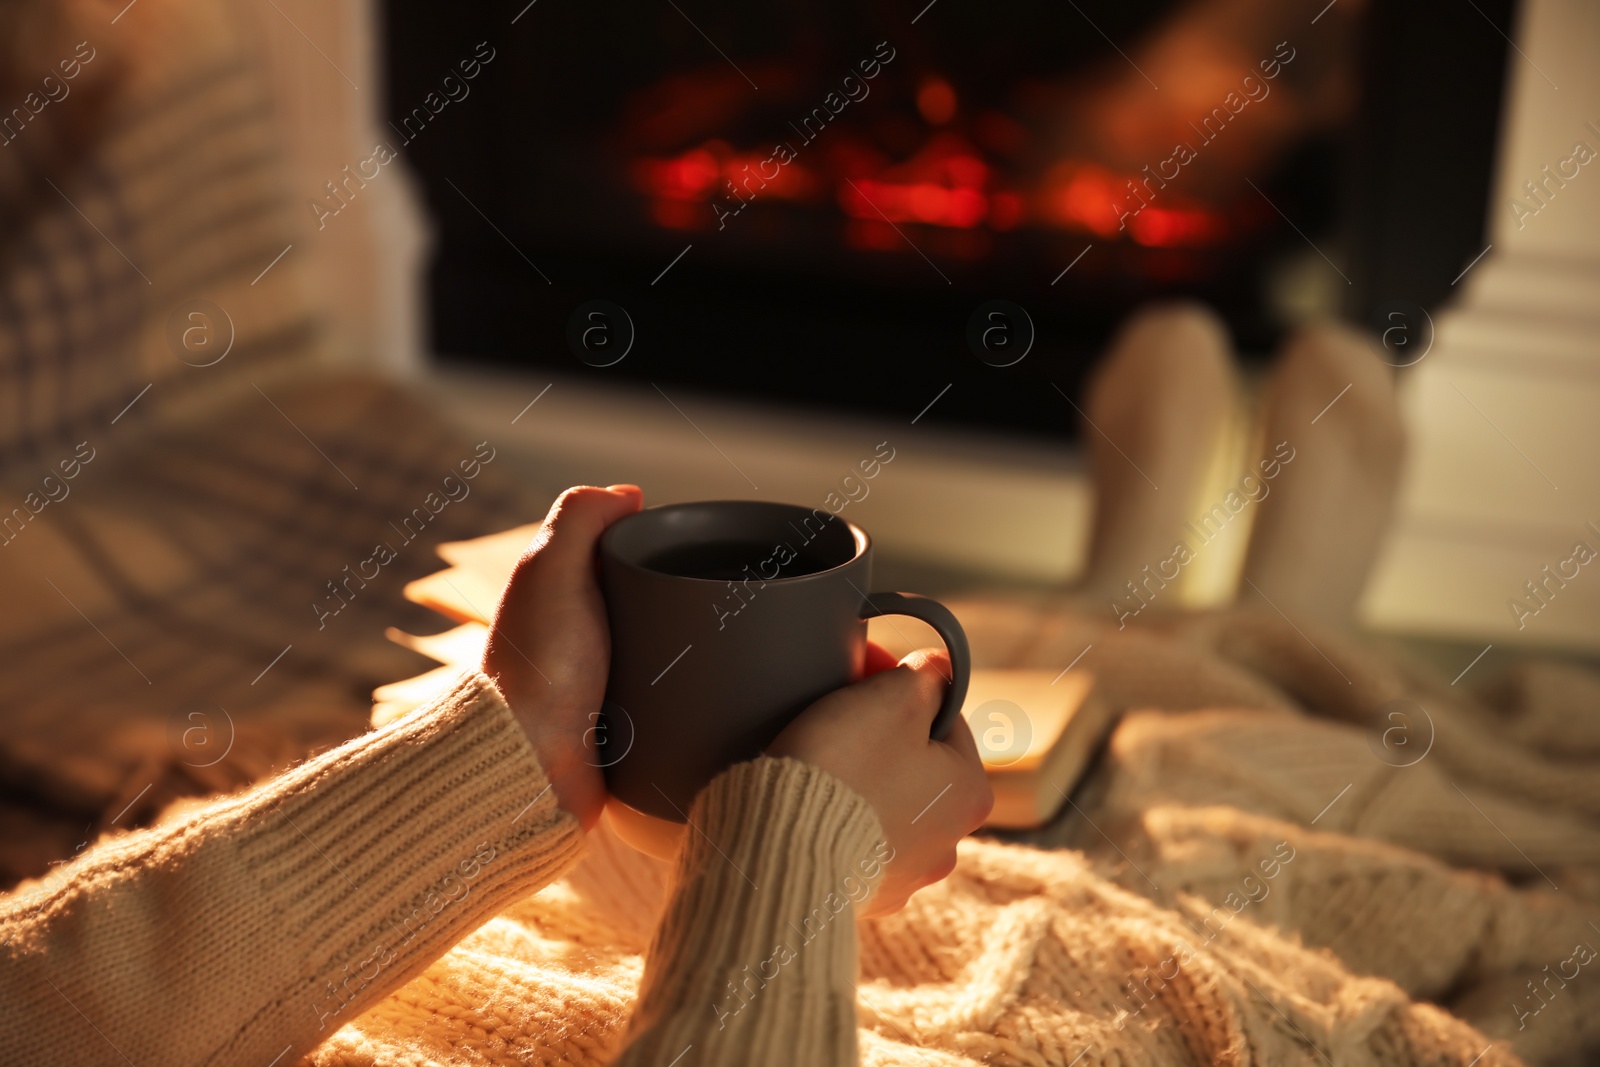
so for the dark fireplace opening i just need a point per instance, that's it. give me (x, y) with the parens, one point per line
(818, 204)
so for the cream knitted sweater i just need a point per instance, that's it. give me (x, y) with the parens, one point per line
(251, 930)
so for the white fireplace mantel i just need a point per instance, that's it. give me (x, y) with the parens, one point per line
(1505, 408)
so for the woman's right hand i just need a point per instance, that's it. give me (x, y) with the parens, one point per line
(873, 736)
(549, 649)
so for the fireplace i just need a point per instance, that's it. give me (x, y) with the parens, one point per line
(855, 206)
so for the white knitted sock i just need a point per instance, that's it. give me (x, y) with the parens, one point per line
(1316, 536)
(1157, 406)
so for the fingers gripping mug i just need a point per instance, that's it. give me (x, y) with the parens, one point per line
(728, 618)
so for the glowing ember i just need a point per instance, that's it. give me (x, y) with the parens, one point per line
(1158, 227)
(1083, 197)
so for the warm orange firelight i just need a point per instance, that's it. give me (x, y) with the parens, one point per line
(1085, 197)
(947, 184)
(1164, 228)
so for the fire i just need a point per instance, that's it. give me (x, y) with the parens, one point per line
(698, 174)
(687, 177)
(1090, 198)
(1159, 227)
(942, 185)
(1083, 196)
(948, 183)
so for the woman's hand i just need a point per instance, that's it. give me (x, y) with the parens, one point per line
(549, 650)
(873, 736)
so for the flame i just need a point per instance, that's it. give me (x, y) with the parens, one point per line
(1083, 196)
(700, 173)
(1161, 228)
(689, 176)
(946, 184)
(942, 185)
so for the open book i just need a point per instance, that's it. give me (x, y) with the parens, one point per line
(1037, 731)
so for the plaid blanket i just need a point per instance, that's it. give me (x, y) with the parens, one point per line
(190, 501)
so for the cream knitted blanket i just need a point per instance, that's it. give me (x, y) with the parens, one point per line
(1259, 882)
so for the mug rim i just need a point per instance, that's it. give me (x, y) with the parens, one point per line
(863, 540)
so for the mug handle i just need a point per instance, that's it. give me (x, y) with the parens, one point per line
(943, 620)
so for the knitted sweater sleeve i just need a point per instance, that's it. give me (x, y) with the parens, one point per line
(249, 930)
(754, 960)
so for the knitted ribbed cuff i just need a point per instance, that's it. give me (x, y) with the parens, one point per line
(381, 855)
(257, 925)
(755, 957)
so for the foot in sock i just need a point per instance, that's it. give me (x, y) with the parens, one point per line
(1316, 536)
(1156, 407)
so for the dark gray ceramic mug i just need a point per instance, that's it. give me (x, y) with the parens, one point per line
(728, 618)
